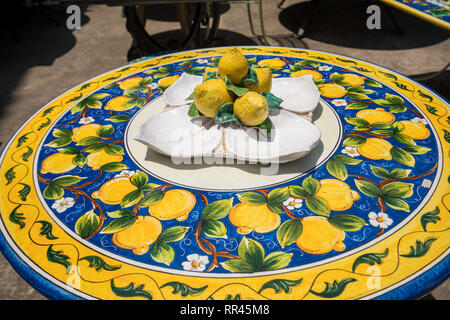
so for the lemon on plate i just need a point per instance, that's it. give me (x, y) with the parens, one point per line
(210, 95)
(251, 109)
(264, 84)
(233, 65)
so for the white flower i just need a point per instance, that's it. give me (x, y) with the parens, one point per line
(195, 262)
(124, 173)
(153, 86)
(419, 120)
(324, 68)
(202, 61)
(86, 120)
(63, 204)
(350, 151)
(339, 102)
(379, 219)
(292, 203)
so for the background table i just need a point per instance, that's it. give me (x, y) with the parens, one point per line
(49, 214)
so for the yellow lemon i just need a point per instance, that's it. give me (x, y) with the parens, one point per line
(168, 81)
(353, 79)
(316, 75)
(331, 90)
(377, 115)
(376, 149)
(337, 194)
(258, 218)
(320, 237)
(96, 159)
(176, 204)
(415, 130)
(264, 76)
(233, 65)
(209, 69)
(210, 95)
(58, 163)
(251, 109)
(113, 191)
(86, 130)
(119, 104)
(129, 83)
(276, 63)
(139, 236)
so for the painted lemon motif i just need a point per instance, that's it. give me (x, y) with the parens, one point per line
(58, 163)
(168, 81)
(86, 130)
(376, 115)
(258, 218)
(119, 104)
(129, 83)
(316, 75)
(417, 131)
(210, 95)
(251, 109)
(376, 149)
(113, 191)
(320, 237)
(331, 90)
(264, 76)
(353, 79)
(276, 63)
(139, 236)
(209, 69)
(97, 159)
(337, 194)
(176, 204)
(233, 65)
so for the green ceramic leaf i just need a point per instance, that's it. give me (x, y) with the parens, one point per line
(297, 191)
(354, 141)
(318, 205)
(87, 224)
(397, 189)
(130, 291)
(289, 232)
(119, 118)
(368, 188)
(225, 114)
(193, 111)
(347, 159)
(380, 172)
(370, 258)
(17, 217)
(152, 198)
(420, 249)
(372, 83)
(87, 141)
(252, 252)
(335, 289)
(57, 143)
(120, 213)
(278, 195)
(430, 217)
(217, 210)
(183, 289)
(403, 138)
(132, 198)
(62, 133)
(402, 157)
(276, 260)
(53, 192)
(311, 185)
(139, 179)
(275, 207)
(396, 203)
(237, 265)
(27, 154)
(239, 91)
(99, 264)
(114, 149)
(265, 128)
(119, 224)
(214, 229)
(416, 149)
(279, 285)
(114, 167)
(254, 198)
(337, 169)
(46, 230)
(273, 101)
(398, 173)
(58, 257)
(79, 160)
(172, 234)
(66, 181)
(251, 77)
(357, 105)
(162, 252)
(23, 193)
(347, 222)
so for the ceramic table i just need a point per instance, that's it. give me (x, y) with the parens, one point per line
(433, 11)
(87, 212)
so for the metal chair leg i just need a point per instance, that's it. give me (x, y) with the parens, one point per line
(263, 36)
(312, 6)
(281, 3)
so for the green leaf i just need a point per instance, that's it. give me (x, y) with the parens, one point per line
(66, 181)
(183, 289)
(130, 291)
(44, 124)
(354, 141)
(446, 136)
(368, 188)
(214, 229)
(336, 77)
(297, 191)
(393, 99)
(114, 149)
(347, 222)
(239, 91)
(225, 114)
(69, 150)
(23, 193)
(266, 127)
(289, 232)
(22, 139)
(397, 189)
(193, 111)
(399, 173)
(337, 169)
(79, 160)
(114, 167)
(402, 157)
(431, 109)
(397, 203)
(273, 101)
(251, 77)
(139, 179)
(87, 141)
(381, 125)
(162, 253)
(318, 205)
(237, 265)
(58, 257)
(172, 234)
(17, 217)
(217, 210)
(254, 198)
(403, 138)
(53, 192)
(57, 143)
(335, 289)
(357, 105)
(380, 172)
(99, 264)
(119, 224)
(382, 102)
(310, 185)
(62, 133)
(357, 96)
(275, 207)
(372, 83)
(397, 126)
(27, 154)
(384, 133)
(120, 213)
(370, 258)
(358, 122)
(389, 75)
(119, 118)
(430, 217)
(276, 260)
(46, 230)
(87, 224)
(423, 95)
(152, 198)
(252, 252)
(279, 285)
(347, 159)
(416, 149)
(96, 147)
(420, 249)
(105, 130)
(132, 198)
(278, 195)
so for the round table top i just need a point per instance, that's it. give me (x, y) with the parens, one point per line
(87, 212)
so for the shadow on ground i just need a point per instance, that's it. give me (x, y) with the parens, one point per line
(343, 23)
